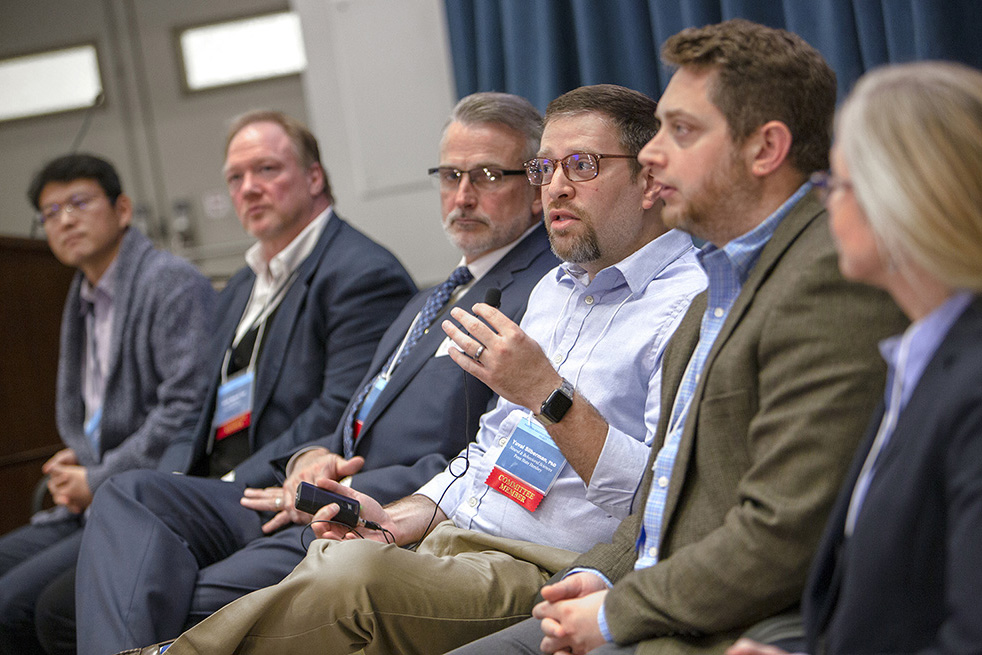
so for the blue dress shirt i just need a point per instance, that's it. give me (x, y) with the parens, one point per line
(606, 336)
(907, 356)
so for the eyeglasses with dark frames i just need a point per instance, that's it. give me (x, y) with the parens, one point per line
(483, 177)
(577, 167)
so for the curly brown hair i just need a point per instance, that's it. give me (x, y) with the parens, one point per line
(764, 74)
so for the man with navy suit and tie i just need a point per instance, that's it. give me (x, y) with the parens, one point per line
(406, 418)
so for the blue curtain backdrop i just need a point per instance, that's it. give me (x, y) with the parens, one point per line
(542, 48)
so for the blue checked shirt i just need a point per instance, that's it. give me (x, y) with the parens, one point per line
(727, 269)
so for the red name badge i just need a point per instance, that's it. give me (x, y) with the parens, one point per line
(527, 466)
(233, 405)
(234, 425)
(526, 496)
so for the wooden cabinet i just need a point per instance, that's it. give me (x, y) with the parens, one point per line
(33, 285)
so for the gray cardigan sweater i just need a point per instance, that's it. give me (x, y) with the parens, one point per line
(155, 379)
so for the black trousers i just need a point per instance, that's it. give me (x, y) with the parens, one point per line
(54, 615)
(162, 552)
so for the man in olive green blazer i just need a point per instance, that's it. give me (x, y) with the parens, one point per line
(771, 377)
(784, 396)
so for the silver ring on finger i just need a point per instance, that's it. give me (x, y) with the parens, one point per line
(278, 502)
(480, 351)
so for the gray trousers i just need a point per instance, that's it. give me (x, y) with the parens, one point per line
(359, 594)
(784, 630)
(523, 639)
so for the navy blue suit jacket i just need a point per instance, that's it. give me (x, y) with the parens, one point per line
(315, 350)
(427, 413)
(910, 577)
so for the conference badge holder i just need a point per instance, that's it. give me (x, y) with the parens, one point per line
(91, 429)
(233, 408)
(233, 405)
(366, 406)
(528, 465)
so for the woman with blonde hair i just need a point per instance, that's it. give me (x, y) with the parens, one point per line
(900, 566)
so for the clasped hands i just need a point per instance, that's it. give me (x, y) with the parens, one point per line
(68, 483)
(569, 614)
(569, 619)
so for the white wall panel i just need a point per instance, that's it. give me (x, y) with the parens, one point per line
(378, 89)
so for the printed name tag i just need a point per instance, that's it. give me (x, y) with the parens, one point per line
(528, 465)
(233, 407)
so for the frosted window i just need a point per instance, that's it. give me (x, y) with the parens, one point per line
(49, 82)
(242, 50)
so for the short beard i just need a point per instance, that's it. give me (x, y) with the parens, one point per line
(460, 239)
(716, 215)
(583, 249)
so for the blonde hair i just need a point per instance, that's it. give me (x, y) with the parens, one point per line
(911, 136)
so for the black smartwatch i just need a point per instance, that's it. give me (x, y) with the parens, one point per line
(556, 405)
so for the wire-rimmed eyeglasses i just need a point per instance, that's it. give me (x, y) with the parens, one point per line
(482, 177)
(825, 183)
(77, 203)
(577, 167)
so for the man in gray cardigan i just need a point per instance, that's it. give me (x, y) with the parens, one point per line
(129, 374)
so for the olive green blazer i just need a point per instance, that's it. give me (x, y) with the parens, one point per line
(784, 397)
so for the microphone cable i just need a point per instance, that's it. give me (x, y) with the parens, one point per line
(370, 525)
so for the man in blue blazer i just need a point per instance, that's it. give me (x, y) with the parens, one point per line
(329, 294)
(295, 332)
(424, 412)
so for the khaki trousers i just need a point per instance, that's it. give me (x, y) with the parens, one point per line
(346, 596)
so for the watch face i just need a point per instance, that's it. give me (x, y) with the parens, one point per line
(556, 406)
